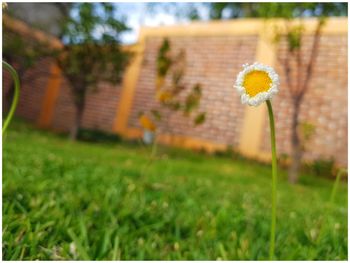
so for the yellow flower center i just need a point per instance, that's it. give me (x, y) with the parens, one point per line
(256, 81)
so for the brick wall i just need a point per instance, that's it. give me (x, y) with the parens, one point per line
(33, 87)
(101, 105)
(100, 109)
(213, 62)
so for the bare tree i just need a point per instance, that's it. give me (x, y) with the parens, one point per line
(299, 84)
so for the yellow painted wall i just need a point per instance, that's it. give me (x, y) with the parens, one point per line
(50, 97)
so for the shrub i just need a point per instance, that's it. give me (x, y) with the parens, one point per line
(323, 167)
(92, 135)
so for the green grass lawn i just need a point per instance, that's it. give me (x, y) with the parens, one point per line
(65, 200)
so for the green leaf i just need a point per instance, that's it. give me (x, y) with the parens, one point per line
(156, 114)
(200, 118)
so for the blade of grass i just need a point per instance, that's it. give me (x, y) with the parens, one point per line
(104, 244)
(81, 250)
(116, 250)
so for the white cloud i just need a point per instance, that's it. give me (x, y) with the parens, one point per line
(137, 16)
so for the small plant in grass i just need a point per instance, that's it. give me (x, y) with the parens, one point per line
(256, 84)
(172, 96)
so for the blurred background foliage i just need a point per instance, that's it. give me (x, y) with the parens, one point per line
(230, 10)
(283, 10)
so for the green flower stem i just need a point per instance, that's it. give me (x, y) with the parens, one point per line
(154, 147)
(274, 182)
(15, 78)
(330, 202)
(153, 155)
(336, 183)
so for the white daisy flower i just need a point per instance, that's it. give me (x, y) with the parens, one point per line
(256, 83)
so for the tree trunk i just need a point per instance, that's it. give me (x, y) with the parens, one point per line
(296, 152)
(78, 119)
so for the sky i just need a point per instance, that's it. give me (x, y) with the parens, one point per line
(136, 14)
(141, 14)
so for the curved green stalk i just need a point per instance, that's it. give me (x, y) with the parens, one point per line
(154, 147)
(152, 156)
(274, 182)
(330, 202)
(336, 183)
(15, 78)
